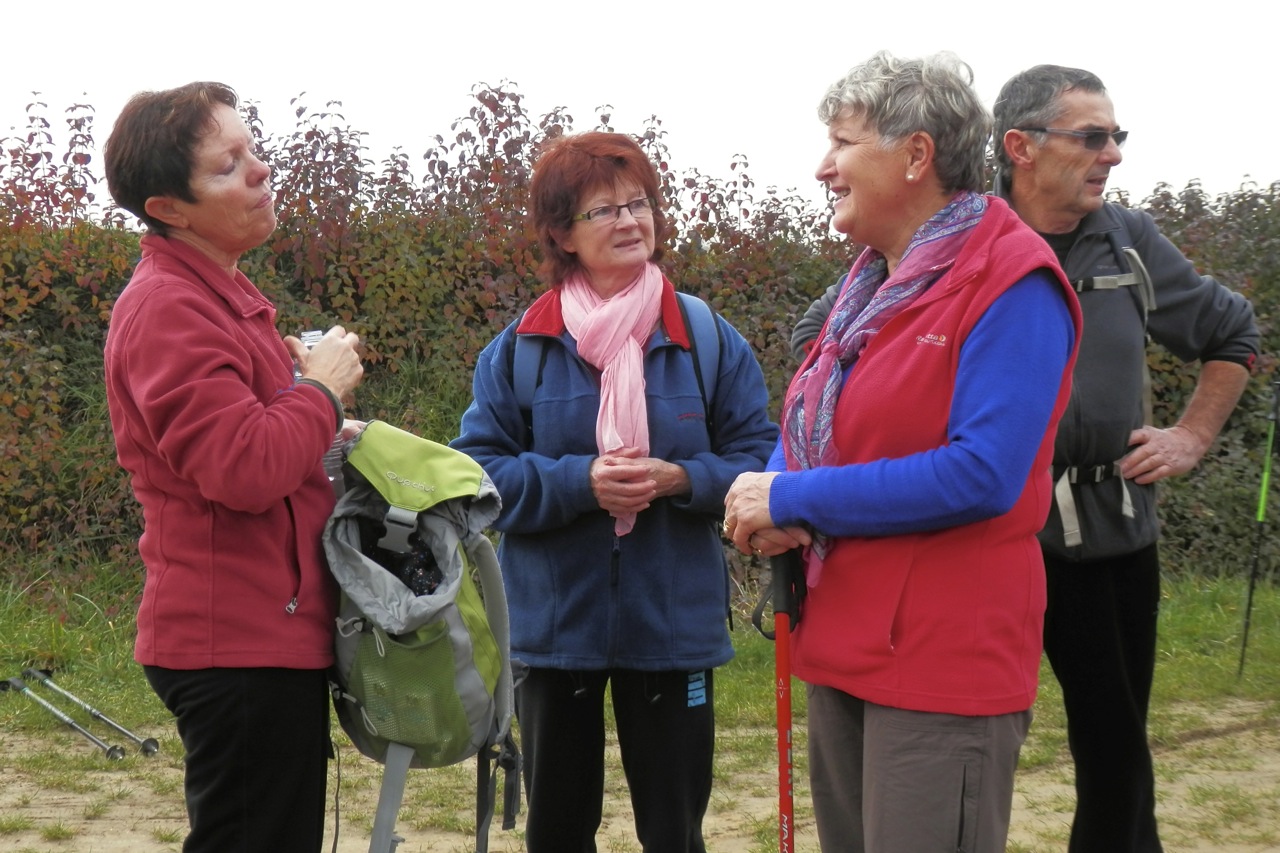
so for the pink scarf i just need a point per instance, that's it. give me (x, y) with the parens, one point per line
(611, 334)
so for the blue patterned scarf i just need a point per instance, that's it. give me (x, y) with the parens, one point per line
(869, 300)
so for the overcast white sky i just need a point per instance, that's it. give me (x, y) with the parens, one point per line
(1196, 90)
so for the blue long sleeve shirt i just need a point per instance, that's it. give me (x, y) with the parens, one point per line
(1000, 405)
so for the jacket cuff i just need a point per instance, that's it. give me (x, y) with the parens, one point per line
(333, 399)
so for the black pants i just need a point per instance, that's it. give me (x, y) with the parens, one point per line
(1100, 636)
(666, 732)
(257, 745)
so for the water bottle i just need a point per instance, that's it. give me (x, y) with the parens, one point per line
(332, 456)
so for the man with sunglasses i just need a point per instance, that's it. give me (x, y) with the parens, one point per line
(1057, 139)
(1056, 142)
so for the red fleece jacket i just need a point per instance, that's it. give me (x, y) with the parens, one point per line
(224, 455)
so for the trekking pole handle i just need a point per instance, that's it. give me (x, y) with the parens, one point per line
(1272, 417)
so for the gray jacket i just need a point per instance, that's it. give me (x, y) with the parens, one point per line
(1194, 317)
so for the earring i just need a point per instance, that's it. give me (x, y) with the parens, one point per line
(910, 177)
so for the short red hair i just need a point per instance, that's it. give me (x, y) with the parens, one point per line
(569, 168)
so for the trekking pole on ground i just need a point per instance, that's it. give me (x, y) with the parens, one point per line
(149, 746)
(1261, 521)
(115, 753)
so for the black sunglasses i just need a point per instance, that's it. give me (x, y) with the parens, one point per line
(1094, 140)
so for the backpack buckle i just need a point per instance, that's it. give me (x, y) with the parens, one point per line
(400, 524)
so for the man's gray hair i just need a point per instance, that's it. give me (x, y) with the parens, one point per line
(897, 97)
(1032, 98)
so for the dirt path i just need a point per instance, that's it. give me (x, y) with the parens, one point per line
(1218, 789)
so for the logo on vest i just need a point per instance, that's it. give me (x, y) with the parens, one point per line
(933, 339)
(422, 487)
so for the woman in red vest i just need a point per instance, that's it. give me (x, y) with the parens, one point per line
(913, 469)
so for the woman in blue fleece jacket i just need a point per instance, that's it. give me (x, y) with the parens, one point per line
(614, 566)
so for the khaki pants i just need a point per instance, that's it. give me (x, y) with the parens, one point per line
(885, 780)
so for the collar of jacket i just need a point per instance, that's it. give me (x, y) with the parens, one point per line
(544, 316)
(235, 289)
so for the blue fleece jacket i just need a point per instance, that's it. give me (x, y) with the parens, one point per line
(580, 597)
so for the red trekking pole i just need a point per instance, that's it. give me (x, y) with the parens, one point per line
(782, 679)
(786, 589)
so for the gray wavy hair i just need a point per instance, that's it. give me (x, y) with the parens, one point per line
(897, 97)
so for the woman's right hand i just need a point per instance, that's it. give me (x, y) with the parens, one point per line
(333, 361)
(748, 523)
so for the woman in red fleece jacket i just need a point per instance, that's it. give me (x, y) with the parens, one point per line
(914, 467)
(224, 447)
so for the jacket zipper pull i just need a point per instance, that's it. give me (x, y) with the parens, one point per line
(292, 605)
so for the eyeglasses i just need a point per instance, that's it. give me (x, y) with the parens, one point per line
(1094, 140)
(640, 207)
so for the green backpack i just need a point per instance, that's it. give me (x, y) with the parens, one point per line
(423, 667)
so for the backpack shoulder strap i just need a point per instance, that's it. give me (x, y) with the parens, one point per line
(501, 751)
(1137, 277)
(526, 362)
(704, 345)
(485, 561)
(528, 354)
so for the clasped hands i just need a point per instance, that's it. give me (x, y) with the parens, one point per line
(748, 523)
(624, 481)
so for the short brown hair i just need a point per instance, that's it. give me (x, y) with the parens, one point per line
(150, 150)
(569, 168)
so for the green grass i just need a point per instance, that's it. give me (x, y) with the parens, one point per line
(1197, 697)
(10, 824)
(57, 832)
